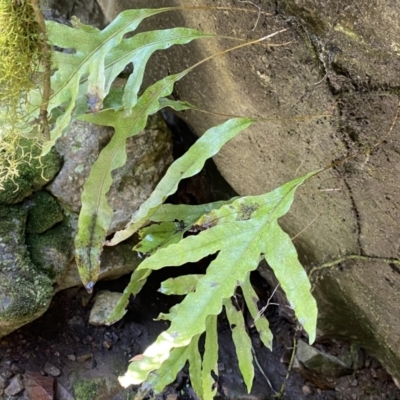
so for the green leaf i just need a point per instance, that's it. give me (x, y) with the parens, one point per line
(210, 358)
(159, 235)
(195, 362)
(292, 278)
(97, 59)
(96, 214)
(138, 279)
(261, 323)
(186, 166)
(239, 232)
(242, 343)
(168, 370)
(181, 285)
(186, 213)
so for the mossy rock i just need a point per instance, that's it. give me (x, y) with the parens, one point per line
(100, 388)
(25, 292)
(44, 212)
(33, 172)
(52, 251)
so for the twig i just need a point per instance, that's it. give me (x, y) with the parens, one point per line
(352, 257)
(290, 366)
(262, 311)
(312, 221)
(261, 370)
(258, 14)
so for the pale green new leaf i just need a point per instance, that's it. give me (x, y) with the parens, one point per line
(168, 370)
(240, 232)
(210, 358)
(180, 285)
(242, 343)
(186, 166)
(260, 323)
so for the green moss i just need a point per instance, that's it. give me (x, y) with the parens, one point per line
(24, 298)
(85, 390)
(33, 172)
(51, 251)
(24, 291)
(44, 213)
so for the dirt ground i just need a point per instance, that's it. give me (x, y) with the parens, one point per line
(61, 350)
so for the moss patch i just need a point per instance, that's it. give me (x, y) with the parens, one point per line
(51, 251)
(44, 213)
(86, 390)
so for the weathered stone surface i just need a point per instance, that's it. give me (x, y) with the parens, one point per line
(104, 304)
(319, 367)
(148, 157)
(36, 237)
(344, 58)
(44, 212)
(25, 292)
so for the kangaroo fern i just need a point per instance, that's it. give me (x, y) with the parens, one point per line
(239, 233)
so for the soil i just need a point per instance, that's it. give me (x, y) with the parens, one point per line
(63, 346)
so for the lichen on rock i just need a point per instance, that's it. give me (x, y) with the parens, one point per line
(32, 171)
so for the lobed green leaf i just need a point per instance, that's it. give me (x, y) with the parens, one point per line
(239, 232)
(242, 343)
(210, 358)
(261, 323)
(181, 285)
(186, 166)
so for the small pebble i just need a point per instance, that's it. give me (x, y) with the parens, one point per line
(16, 369)
(51, 369)
(71, 357)
(15, 386)
(84, 357)
(3, 382)
(306, 390)
(354, 383)
(107, 344)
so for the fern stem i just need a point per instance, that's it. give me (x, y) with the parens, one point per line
(46, 57)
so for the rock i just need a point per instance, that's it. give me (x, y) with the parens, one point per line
(53, 252)
(327, 66)
(104, 303)
(148, 157)
(320, 364)
(33, 173)
(25, 292)
(40, 226)
(44, 212)
(38, 387)
(62, 393)
(51, 369)
(16, 386)
(82, 358)
(102, 388)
